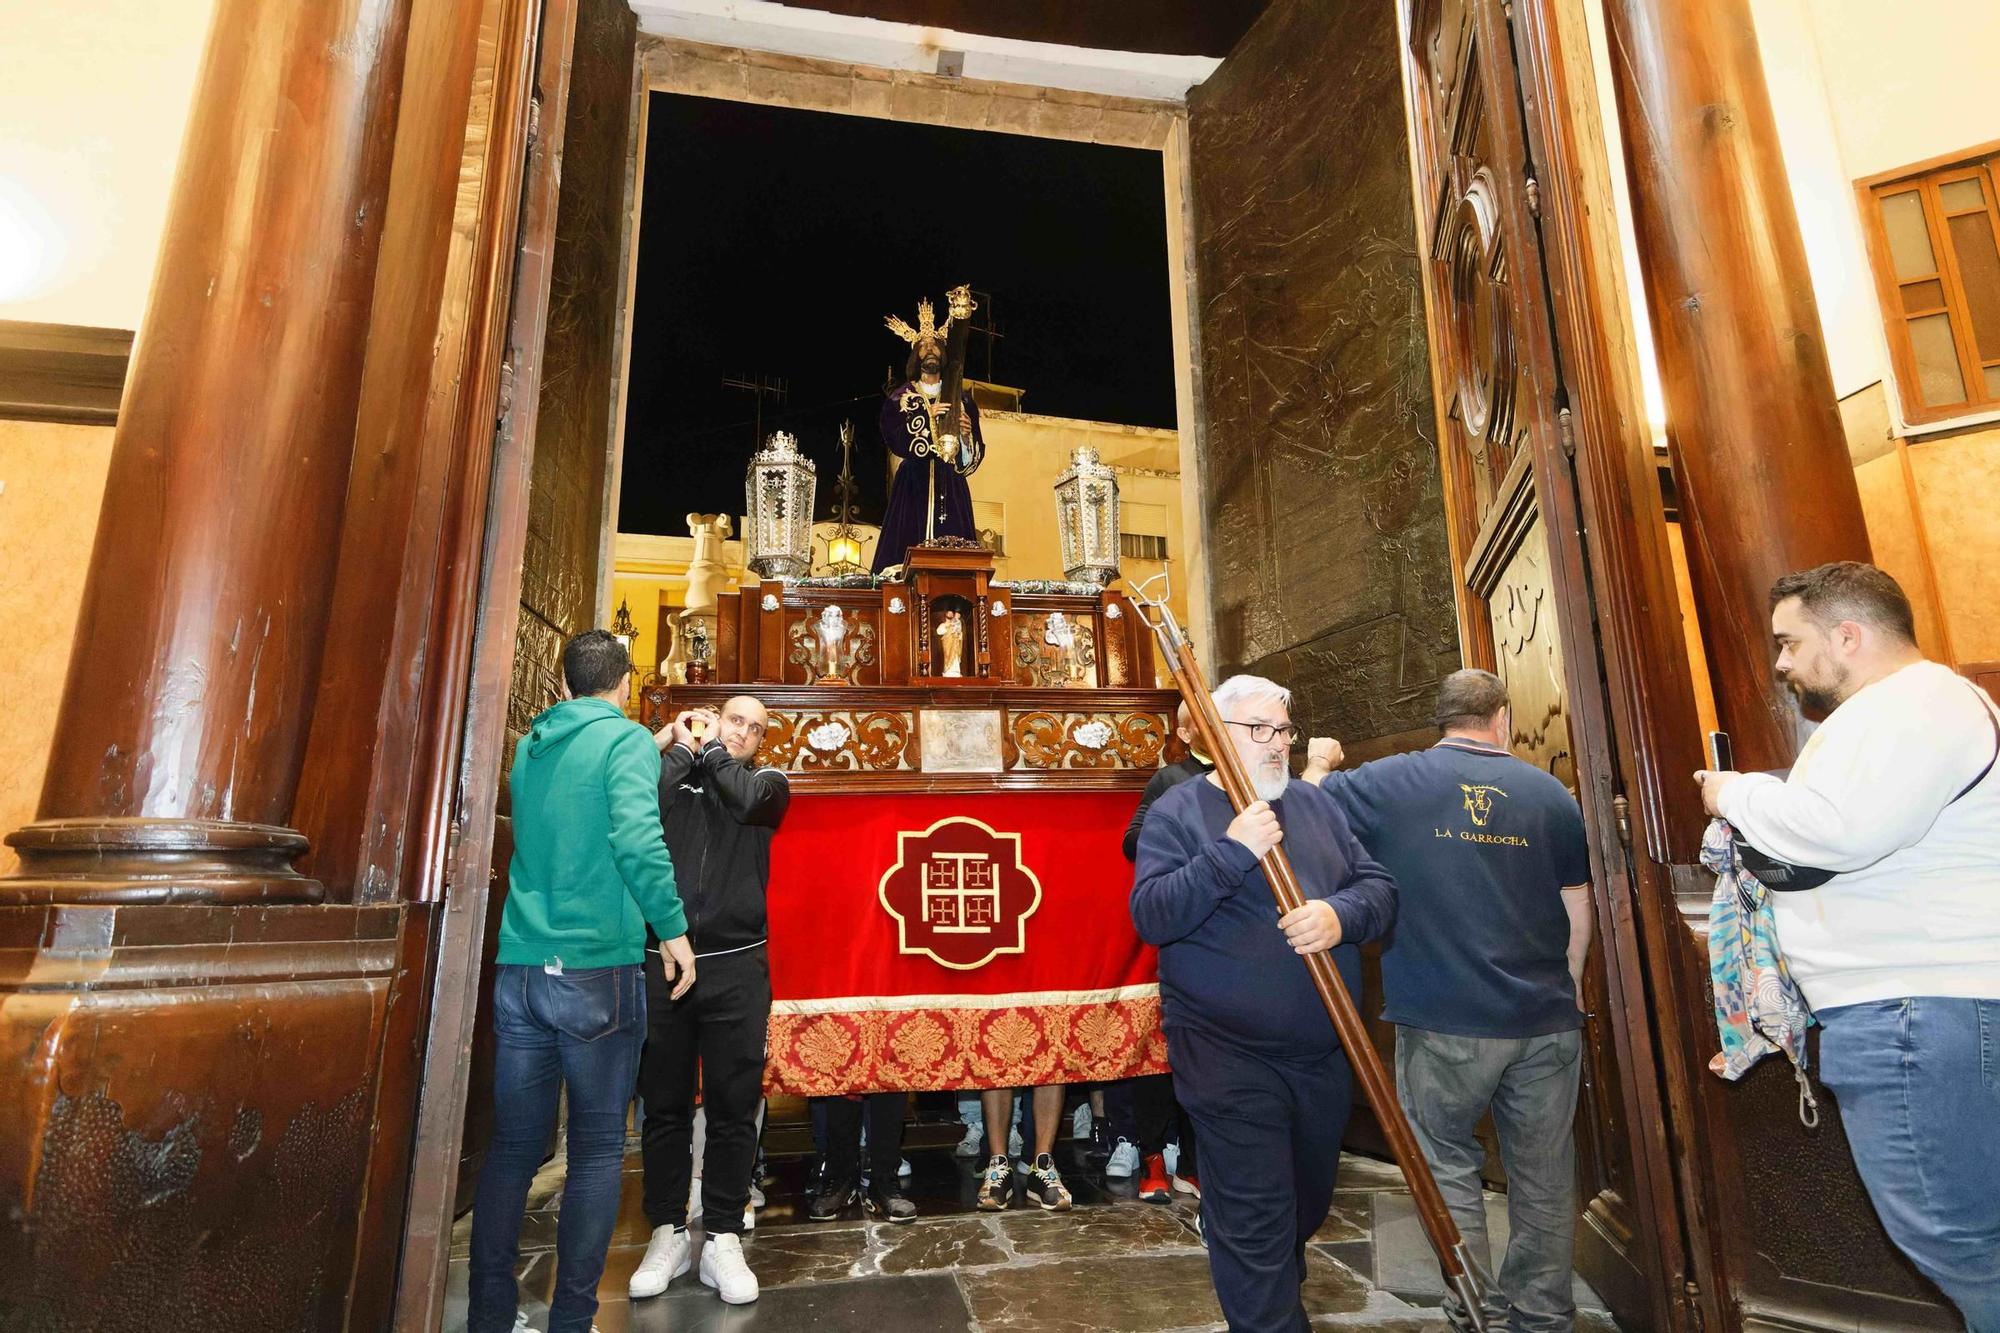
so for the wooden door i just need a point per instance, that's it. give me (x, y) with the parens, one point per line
(1509, 419)
(563, 360)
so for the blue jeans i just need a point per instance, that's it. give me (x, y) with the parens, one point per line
(582, 1030)
(1918, 1082)
(1530, 1084)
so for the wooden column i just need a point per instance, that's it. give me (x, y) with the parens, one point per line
(1766, 485)
(178, 748)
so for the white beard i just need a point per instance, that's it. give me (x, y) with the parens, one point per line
(1268, 785)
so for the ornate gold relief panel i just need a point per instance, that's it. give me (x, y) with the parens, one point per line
(1528, 655)
(1085, 740)
(1054, 651)
(840, 740)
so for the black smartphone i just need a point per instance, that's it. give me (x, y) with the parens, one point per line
(1720, 760)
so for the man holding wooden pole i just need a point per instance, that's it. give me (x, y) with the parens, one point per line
(1257, 1062)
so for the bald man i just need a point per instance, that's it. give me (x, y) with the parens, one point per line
(720, 812)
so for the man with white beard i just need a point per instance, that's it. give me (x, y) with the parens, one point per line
(1256, 1062)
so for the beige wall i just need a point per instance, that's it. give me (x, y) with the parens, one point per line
(1860, 87)
(94, 96)
(51, 482)
(1025, 454)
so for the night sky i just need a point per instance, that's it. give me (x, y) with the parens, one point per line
(772, 242)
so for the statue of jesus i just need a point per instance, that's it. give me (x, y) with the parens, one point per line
(940, 445)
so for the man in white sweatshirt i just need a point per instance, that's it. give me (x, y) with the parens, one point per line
(1898, 953)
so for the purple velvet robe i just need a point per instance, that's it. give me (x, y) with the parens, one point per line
(923, 477)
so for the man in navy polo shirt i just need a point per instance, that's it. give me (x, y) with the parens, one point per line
(1483, 978)
(1255, 1058)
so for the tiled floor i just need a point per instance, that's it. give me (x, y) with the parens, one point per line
(1114, 1264)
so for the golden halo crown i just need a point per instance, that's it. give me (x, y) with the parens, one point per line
(927, 330)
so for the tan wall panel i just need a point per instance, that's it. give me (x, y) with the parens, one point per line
(54, 480)
(1957, 479)
(1892, 535)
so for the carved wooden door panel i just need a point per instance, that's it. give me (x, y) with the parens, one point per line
(1523, 595)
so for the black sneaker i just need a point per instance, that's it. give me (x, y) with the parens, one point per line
(1045, 1185)
(1100, 1140)
(890, 1207)
(996, 1184)
(831, 1202)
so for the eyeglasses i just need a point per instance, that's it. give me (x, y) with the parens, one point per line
(1262, 732)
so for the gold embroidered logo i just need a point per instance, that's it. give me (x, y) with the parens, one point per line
(960, 893)
(1479, 802)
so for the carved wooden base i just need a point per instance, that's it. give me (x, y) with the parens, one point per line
(157, 861)
(189, 1121)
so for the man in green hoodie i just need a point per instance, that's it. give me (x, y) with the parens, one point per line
(590, 873)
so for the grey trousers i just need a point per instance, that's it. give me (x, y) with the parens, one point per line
(1530, 1084)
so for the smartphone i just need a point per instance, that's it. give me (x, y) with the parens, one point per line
(1720, 759)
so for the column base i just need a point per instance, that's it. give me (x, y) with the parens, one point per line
(157, 861)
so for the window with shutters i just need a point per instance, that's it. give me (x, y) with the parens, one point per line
(1934, 239)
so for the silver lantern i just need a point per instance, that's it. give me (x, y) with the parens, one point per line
(779, 493)
(1087, 519)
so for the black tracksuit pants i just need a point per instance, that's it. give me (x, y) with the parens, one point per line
(1270, 1143)
(717, 1029)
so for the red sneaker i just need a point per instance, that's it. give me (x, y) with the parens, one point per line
(1153, 1187)
(1188, 1185)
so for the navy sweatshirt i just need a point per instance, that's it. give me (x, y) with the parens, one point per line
(1225, 968)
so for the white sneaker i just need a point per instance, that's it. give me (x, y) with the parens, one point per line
(1124, 1162)
(974, 1142)
(723, 1268)
(756, 1195)
(903, 1167)
(668, 1254)
(1172, 1153)
(1079, 1122)
(749, 1217)
(1014, 1144)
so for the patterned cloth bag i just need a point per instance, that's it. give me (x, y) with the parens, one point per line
(1758, 1007)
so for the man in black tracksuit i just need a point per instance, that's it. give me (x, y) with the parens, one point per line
(720, 813)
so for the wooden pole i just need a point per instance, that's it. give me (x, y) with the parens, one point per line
(1340, 1007)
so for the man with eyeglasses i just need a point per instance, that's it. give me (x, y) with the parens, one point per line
(1256, 1062)
(720, 813)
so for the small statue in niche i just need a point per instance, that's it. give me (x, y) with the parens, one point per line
(694, 633)
(832, 634)
(951, 644)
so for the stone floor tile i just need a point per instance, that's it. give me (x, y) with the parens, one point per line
(1360, 1173)
(918, 1303)
(1147, 1293)
(1358, 1255)
(953, 1242)
(1352, 1217)
(1405, 1263)
(1089, 1232)
(1331, 1287)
